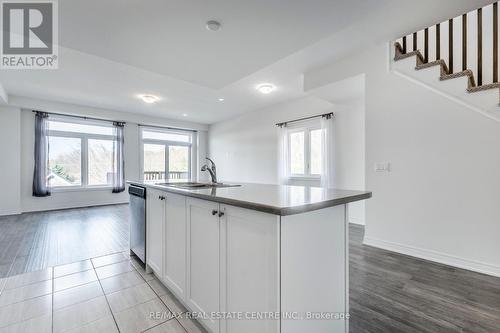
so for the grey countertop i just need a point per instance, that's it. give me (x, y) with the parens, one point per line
(274, 199)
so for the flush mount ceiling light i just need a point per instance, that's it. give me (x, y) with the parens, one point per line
(150, 99)
(184, 114)
(221, 99)
(213, 25)
(266, 88)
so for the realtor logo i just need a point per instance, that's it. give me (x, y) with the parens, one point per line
(29, 35)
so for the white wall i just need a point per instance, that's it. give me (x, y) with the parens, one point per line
(440, 200)
(17, 144)
(246, 148)
(350, 153)
(202, 153)
(10, 152)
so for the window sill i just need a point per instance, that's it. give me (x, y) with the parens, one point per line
(306, 178)
(80, 189)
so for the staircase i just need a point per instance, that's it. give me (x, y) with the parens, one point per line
(464, 48)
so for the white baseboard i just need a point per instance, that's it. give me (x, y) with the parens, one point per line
(5, 212)
(64, 207)
(435, 256)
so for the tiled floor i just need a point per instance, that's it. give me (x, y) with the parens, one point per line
(106, 294)
(389, 292)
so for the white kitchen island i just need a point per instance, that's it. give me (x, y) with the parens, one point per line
(254, 258)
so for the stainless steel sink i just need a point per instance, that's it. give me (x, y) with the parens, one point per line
(194, 185)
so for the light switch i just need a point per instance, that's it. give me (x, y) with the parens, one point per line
(383, 167)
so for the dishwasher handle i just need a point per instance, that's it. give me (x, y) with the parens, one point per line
(137, 191)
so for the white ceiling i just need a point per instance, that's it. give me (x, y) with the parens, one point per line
(169, 36)
(350, 90)
(113, 50)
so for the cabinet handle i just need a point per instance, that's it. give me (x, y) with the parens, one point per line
(221, 214)
(214, 212)
(161, 197)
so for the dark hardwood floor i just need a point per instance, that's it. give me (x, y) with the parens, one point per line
(389, 292)
(35, 241)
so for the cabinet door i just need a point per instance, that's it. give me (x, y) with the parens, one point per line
(155, 216)
(203, 259)
(249, 268)
(175, 244)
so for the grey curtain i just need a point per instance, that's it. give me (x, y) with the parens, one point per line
(40, 188)
(118, 160)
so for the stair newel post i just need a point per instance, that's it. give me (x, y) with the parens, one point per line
(464, 42)
(495, 42)
(414, 41)
(426, 45)
(438, 41)
(480, 47)
(450, 46)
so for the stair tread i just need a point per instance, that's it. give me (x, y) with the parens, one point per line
(484, 87)
(440, 62)
(400, 55)
(407, 55)
(467, 72)
(427, 65)
(444, 69)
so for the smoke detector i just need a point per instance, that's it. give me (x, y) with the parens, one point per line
(213, 25)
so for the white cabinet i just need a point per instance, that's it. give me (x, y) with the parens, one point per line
(216, 259)
(203, 259)
(155, 216)
(249, 268)
(175, 244)
(225, 260)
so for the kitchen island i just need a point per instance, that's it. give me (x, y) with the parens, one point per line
(255, 257)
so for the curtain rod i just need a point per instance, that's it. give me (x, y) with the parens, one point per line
(327, 115)
(167, 127)
(80, 117)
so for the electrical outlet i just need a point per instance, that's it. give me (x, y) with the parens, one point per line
(383, 167)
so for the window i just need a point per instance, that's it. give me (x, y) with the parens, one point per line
(65, 161)
(166, 154)
(316, 150)
(100, 165)
(165, 136)
(297, 152)
(154, 161)
(80, 154)
(305, 150)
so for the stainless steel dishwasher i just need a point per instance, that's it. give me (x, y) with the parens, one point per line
(138, 221)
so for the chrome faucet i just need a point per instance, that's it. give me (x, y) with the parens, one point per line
(212, 170)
